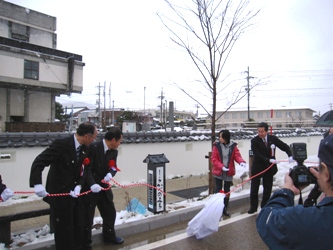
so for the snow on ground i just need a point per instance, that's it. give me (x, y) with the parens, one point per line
(124, 216)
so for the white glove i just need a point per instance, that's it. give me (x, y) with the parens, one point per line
(108, 177)
(95, 188)
(6, 194)
(274, 161)
(290, 159)
(225, 169)
(243, 165)
(40, 190)
(76, 191)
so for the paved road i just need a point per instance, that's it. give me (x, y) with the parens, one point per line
(236, 232)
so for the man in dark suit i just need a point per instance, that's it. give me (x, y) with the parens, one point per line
(68, 161)
(103, 156)
(5, 192)
(263, 147)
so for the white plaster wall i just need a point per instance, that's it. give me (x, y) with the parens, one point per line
(39, 106)
(185, 158)
(3, 105)
(4, 31)
(12, 65)
(16, 102)
(41, 38)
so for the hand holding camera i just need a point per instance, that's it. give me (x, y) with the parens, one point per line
(300, 174)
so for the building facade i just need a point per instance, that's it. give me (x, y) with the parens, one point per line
(280, 117)
(33, 72)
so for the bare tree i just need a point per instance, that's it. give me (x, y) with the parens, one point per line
(207, 30)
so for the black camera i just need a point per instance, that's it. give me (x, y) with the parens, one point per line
(300, 174)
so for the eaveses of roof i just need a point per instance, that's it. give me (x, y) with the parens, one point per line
(44, 139)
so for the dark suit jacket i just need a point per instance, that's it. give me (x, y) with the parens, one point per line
(2, 186)
(99, 166)
(262, 154)
(64, 173)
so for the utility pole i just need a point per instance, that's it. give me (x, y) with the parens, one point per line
(109, 104)
(330, 104)
(104, 121)
(161, 106)
(99, 104)
(166, 108)
(112, 112)
(248, 92)
(197, 106)
(144, 100)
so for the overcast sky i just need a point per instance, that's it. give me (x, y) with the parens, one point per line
(125, 44)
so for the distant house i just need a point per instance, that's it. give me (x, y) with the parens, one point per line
(33, 72)
(278, 117)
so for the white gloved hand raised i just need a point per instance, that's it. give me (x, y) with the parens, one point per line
(225, 169)
(108, 177)
(6, 194)
(76, 191)
(274, 161)
(95, 188)
(40, 190)
(243, 165)
(290, 159)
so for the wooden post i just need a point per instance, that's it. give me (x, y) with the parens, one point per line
(251, 156)
(211, 184)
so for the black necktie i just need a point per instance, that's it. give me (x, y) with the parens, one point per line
(264, 140)
(108, 155)
(78, 150)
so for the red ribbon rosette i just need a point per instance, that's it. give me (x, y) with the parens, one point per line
(85, 162)
(113, 165)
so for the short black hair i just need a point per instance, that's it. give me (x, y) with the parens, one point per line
(263, 125)
(327, 133)
(225, 135)
(86, 128)
(113, 132)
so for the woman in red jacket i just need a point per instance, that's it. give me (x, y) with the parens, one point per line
(224, 155)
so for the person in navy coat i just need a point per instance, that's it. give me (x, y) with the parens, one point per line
(282, 225)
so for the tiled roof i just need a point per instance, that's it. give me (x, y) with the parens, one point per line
(40, 139)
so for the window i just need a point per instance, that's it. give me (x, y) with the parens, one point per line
(243, 115)
(19, 32)
(260, 114)
(226, 115)
(278, 114)
(234, 115)
(31, 70)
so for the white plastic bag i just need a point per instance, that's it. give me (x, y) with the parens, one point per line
(207, 220)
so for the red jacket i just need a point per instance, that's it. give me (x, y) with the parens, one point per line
(216, 159)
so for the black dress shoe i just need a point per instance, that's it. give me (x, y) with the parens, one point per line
(226, 213)
(252, 211)
(117, 240)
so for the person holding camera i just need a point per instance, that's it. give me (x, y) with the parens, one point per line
(263, 147)
(281, 225)
(315, 192)
(224, 155)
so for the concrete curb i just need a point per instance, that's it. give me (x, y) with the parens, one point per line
(151, 223)
(145, 224)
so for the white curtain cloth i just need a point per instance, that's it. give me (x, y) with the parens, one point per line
(207, 220)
